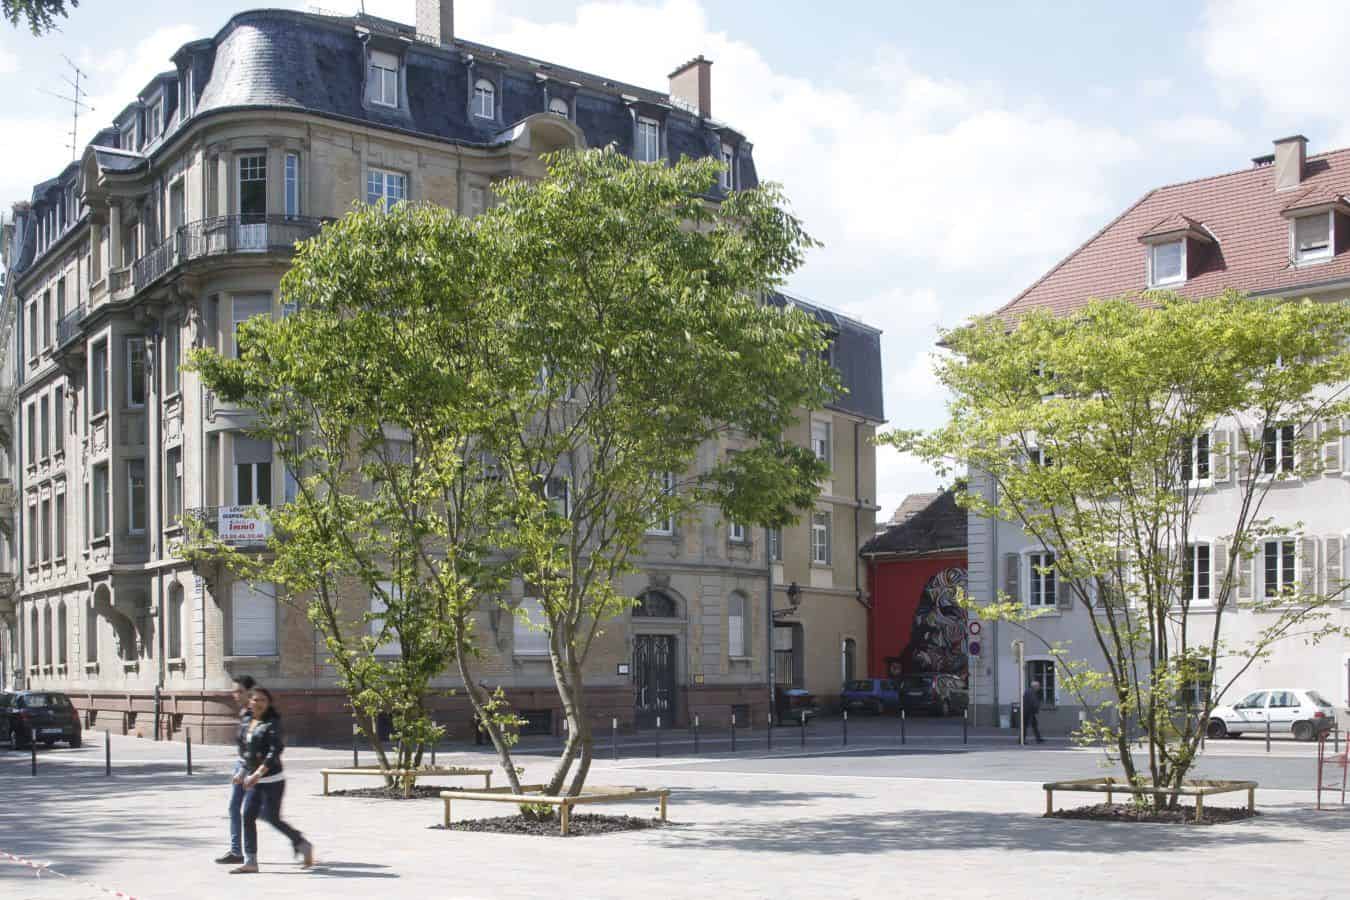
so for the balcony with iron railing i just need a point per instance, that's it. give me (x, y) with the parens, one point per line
(68, 326)
(222, 236)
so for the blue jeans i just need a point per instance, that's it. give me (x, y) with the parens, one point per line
(264, 802)
(236, 820)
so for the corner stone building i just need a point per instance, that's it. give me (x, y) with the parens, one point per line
(177, 223)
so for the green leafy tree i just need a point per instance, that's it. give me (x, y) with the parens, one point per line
(39, 15)
(1082, 430)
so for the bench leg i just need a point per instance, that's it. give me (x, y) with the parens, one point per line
(487, 781)
(565, 818)
(1049, 803)
(1251, 800)
(663, 807)
(1108, 795)
(1199, 807)
(407, 786)
(325, 785)
(447, 811)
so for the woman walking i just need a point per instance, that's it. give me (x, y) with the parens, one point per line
(265, 783)
(235, 855)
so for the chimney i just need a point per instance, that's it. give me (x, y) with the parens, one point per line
(1290, 155)
(691, 86)
(436, 20)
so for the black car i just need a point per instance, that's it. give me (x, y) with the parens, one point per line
(42, 716)
(931, 692)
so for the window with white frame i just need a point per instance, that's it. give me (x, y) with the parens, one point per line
(737, 533)
(558, 495)
(820, 538)
(59, 419)
(173, 486)
(728, 168)
(32, 434)
(46, 318)
(385, 188)
(775, 545)
(1312, 237)
(60, 526)
(1195, 459)
(62, 626)
(1041, 680)
(156, 119)
(175, 632)
(45, 427)
(243, 308)
(558, 106)
(136, 496)
(33, 543)
(820, 440)
(1040, 457)
(736, 625)
(252, 472)
(1197, 572)
(90, 634)
(46, 534)
(135, 371)
(100, 501)
(1281, 567)
(1041, 572)
(665, 524)
(1277, 450)
(1167, 263)
(530, 630)
(292, 173)
(98, 378)
(648, 147)
(383, 78)
(484, 99)
(173, 358)
(253, 619)
(33, 331)
(379, 605)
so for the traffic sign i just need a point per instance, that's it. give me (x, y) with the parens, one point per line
(974, 648)
(974, 628)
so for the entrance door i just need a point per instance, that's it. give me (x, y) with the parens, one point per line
(654, 679)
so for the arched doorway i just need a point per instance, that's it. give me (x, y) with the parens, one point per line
(654, 661)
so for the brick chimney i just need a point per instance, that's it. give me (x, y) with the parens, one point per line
(436, 20)
(1291, 153)
(691, 86)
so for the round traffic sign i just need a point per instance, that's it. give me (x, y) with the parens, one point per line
(974, 648)
(974, 628)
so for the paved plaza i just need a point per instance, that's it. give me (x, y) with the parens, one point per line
(931, 818)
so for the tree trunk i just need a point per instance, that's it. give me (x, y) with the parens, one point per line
(567, 678)
(479, 699)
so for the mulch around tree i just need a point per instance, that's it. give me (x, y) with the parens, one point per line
(577, 825)
(385, 792)
(1183, 815)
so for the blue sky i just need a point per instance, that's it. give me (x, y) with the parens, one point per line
(947, 154)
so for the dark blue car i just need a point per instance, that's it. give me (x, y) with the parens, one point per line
(874, 695)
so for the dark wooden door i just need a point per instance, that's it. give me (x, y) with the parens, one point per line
(654, 679)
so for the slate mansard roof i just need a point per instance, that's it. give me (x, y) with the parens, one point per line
(1243, 213)
(856, 354)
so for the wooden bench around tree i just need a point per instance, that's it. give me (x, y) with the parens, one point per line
(409, 776)
(1199, 789)
(531, 795)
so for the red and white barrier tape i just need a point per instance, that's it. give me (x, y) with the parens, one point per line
(40, 867)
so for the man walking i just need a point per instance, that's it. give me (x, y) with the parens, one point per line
(243, 685)
(1031, 705)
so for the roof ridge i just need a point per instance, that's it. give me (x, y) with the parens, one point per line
(1249, 170)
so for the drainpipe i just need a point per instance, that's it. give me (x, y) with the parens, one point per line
(857, 514)
(995, 568)
(768, 617)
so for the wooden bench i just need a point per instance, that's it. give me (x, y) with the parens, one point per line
(409, 776)
(1199, 789)
(531, 794)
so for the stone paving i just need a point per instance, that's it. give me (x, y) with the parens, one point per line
(814, 825)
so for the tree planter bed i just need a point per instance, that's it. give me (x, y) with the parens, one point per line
(1108, 786)
(409, 776)
(533, 794)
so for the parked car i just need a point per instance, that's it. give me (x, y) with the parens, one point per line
(795, 705)
(42, 716)
(1301, 712)
(875, 695)
(932, 692)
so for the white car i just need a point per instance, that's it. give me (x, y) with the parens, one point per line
(1301, 712)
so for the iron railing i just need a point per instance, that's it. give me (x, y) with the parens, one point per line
(68, 326)
(224, 235)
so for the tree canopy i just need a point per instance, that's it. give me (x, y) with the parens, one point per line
(39, 15)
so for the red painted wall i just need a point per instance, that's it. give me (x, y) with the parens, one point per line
(896, 586)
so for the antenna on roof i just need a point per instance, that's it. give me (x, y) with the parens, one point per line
(76, 101)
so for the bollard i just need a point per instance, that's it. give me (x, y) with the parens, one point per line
(803, 729)
(356, 760)
(1336, 736)
(614, 737)
(902, 726)
(107, 754)
(768, 729)
(658, 735)
(965, 726)
(845, 728)
(733, 732)
(32, 749)
(1267, 734)
(433, 752)
(187, 736)
(695, 735)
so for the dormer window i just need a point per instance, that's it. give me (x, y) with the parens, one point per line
(156, 119)
(728, 168)
(648, 147)
(1312, 237)
(1167, 263)
(382, 85)
(484, 99)
(558, 106)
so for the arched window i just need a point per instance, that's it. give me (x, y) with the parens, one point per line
(175, 631)
(655, 605)
(484, 99)
(558, 106)
(61, 639)
(736, 626)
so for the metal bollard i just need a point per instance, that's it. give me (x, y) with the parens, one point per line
(107, 754)
(768, 730)
(902, 726)
(803, 728)
(965, 726)
(433, 750)
(1267, 735)
(187, 736)
(733, 732)
(658, 735)
(1336, 736)
(695, 735)
(614, 738)
(356, 759)
(845, 728)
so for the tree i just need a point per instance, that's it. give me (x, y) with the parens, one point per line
(1087, 431)
(642, 307)
(40, 15)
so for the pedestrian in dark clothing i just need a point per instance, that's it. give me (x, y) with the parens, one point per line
(265, 783)
(242, 685)
(1031, 705)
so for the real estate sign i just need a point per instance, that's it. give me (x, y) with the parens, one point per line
(244, 525)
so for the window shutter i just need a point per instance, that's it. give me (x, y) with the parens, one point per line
(1012, 581)
(254, 620)
(1332, 447)
(1221, 448)
(1334, 546)
(1308, 565)
(1218, 569)
(1248, 444)
(1244, 578)
(1065, 591)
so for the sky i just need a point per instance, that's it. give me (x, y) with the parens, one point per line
(946, 155)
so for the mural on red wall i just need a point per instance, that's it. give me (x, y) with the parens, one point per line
(937, 636)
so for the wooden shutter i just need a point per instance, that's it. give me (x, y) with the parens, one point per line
(1012, 580)
(1064, 590)
(1308, 565)
(1333, 562)
(1218, 569)
(1244, 578)
(253, 620)
(1221, 449)
(1248, 441)
(1332, 447)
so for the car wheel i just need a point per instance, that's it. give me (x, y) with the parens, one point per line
(1235, 734)
(1303, 731)
(77, 741)
(1216, 729)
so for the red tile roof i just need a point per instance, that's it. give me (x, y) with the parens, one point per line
(1242, 210)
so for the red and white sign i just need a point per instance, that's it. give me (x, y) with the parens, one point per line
(975, 628)
(243, 525)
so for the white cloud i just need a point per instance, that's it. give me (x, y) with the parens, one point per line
(1197, 131)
